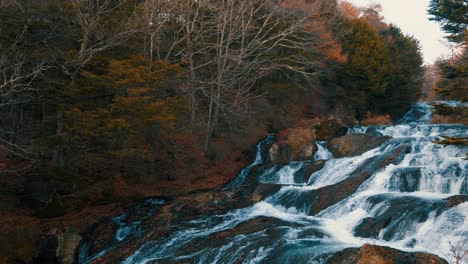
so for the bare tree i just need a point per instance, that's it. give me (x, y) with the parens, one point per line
(98, 30)
(18, 82)
(243, 38)
(226, 46)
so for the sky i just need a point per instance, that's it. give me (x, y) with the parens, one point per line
(411, 17)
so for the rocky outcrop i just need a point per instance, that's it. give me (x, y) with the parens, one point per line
(299, 143)
(294, 144)
(67, 244)
(371, 254)
(354, 144)
(58, 247)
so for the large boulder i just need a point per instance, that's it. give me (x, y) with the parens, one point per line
(329, 129)
(354, 144)
(294, 144)
(279, 153)
(68, 242)
(372, 254)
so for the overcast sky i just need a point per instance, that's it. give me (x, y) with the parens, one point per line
(411, 16)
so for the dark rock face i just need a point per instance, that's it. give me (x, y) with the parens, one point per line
(456, 200)
(329, 129)
(391, 218)
(413, 209)
(373, 131)
(370, 254)
(354, 144)
(370, 227)
(406, 179)
(305, 172)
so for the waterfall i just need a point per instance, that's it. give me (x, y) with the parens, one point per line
(407, 204)
(322, 152)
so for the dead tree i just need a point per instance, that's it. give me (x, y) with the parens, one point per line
(19, 77)
(244, 36)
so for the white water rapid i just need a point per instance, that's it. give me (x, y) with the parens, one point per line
(407, 205)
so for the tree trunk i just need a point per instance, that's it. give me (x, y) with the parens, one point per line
(57, 157)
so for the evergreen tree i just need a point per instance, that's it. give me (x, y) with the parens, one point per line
(452, 15)
(405, 65)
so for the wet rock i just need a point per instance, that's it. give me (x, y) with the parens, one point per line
(373, 131)
(303, 175)
(370, 227)
(262, 191)
(399, 212)
(332, 194)
(354, 144)
(406, 179)
(312, 232)
(329, 129)
(271, 227)
(456, 200)
(258, 224)
(371, 254)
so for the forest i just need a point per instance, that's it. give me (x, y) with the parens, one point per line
(108, 101)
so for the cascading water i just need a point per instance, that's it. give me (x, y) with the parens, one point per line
(406, 204)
